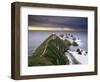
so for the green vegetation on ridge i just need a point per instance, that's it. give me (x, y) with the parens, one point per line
(50, 52)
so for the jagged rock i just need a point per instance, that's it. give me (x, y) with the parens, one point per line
(66, 49)
(80, 53)
(75, 44)
(78, 50)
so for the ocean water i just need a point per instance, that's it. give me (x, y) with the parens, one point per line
(35, 38)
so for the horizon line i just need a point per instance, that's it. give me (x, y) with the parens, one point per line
(52, 29)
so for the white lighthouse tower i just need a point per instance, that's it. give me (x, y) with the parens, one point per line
(54, 36)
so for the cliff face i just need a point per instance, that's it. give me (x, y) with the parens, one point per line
(50, 52)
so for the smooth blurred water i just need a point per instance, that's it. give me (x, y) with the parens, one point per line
(35, 38)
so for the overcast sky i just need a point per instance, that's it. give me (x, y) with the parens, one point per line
(78, 23)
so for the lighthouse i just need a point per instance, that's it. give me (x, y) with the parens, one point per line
(54, 36)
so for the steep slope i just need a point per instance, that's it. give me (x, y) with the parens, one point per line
(50, 52)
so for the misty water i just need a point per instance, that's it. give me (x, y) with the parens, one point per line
(35, 38)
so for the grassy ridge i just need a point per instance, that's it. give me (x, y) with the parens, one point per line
(50, 52)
